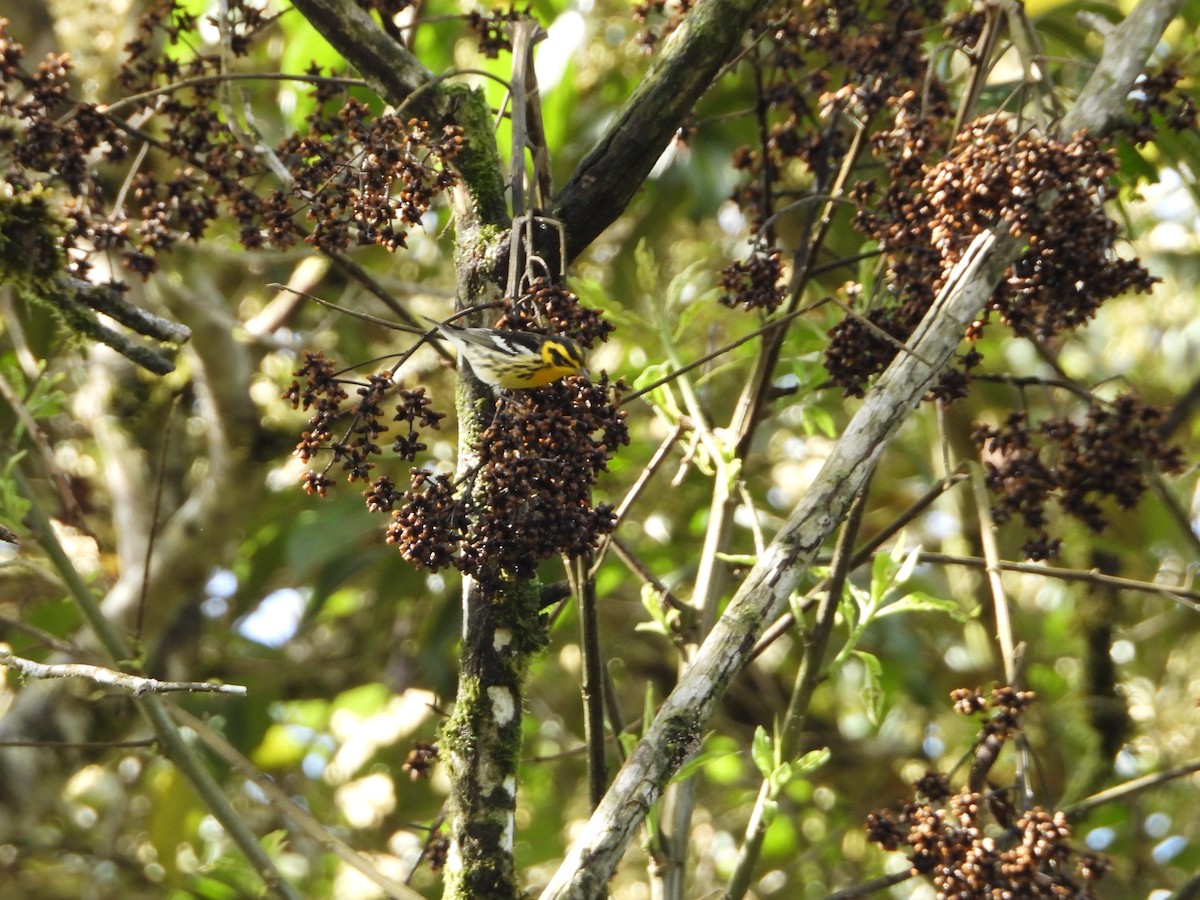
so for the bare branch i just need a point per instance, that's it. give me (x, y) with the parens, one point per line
(135, 684)
(600, 189)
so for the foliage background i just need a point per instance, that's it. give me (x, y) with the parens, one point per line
(350, 655)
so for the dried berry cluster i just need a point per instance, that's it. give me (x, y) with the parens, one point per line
(349, 178)
(874, 51)
(1077, 464)
(550, 308)
(1159, 99)
(952, 842)
(420, 760)
(492, 29)
(1047, 191)
(539, 459)
(437, 851)
(822, 65)
(353, 445)
(658, 18)
(529, 497)
(753, 283)
(361, 177)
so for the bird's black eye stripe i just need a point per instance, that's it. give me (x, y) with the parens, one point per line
(561, 359)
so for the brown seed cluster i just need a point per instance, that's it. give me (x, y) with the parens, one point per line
(350, 177)
(812, 62)
(420, 760)
(819, 65)
(437, 851)
(492, 29)
(1006, 702)
(428, 521)
(351, 435)
(657, 20)
(967, 854)
(1158, 102)
(547, 307)
(540, 458)
(1047, 191)
(1078, 464)
(753, 283)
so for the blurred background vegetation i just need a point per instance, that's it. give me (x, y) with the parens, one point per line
(350, 654)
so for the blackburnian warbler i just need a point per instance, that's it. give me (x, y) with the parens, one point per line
(515, 359)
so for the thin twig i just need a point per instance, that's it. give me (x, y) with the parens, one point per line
(1129, 788)
(720, 351)
(592, 685)
(155, 512)
(659, 457)
(1183, 596)
(991, 553)
(136, 685)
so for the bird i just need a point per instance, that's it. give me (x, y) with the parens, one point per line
(515, 359)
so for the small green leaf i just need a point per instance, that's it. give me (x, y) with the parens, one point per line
(811, 761)
(883, 570)
(872, 692)
(648, 709)
(908, 566)
(919, 601)
(699, 761)
(652, 602)
(783, 773)
(650, 628)
(819, 420)
(762, 752)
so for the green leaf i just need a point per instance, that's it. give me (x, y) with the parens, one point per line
(920, 601)
(652, 602)
(762, 752)
(648, 709)
(811, 761)
(645, 268)
(738, 559)
(819, 420)
(872, 691)
(779, 778)
(907, 566)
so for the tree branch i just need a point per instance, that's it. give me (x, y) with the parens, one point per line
(600, 189)
(384, 63)
(135, 684)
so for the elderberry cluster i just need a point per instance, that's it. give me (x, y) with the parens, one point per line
(753, 283)
(1047, 191)
(1078, 464)
(348, 177)
(950, 840)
